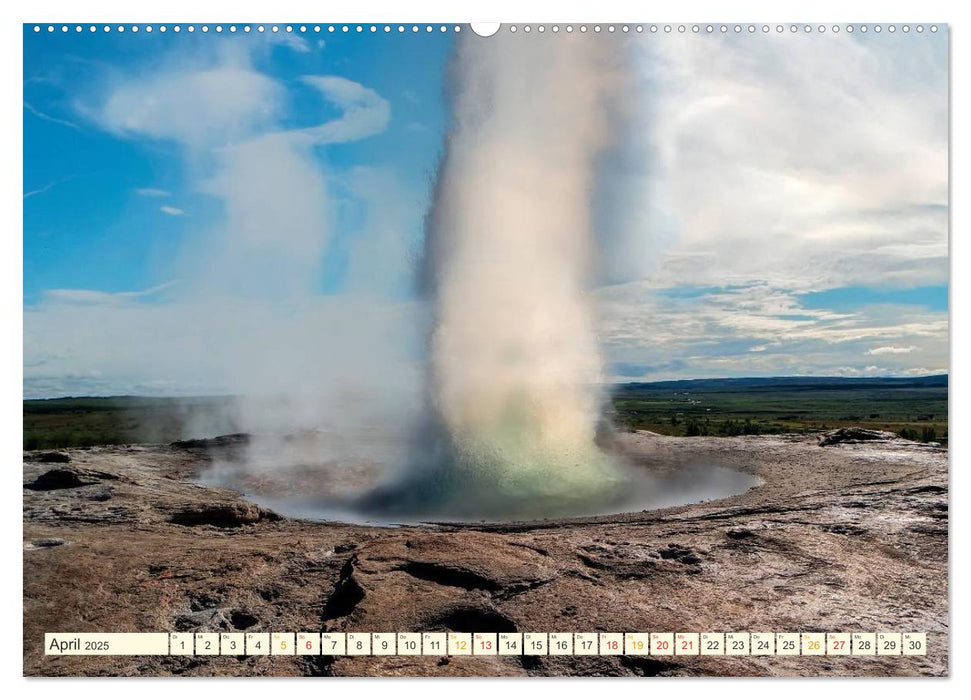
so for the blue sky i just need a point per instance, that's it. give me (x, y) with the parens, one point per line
(777, 205)
(110, 213)
(932, 298)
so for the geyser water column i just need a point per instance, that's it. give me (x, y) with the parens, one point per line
(514, 379)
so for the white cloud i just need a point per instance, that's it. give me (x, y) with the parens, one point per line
(227, 116)
(806, 162)
(758, 330)
(212, 105)
(891, 350)
(365, 112)
(292, 41)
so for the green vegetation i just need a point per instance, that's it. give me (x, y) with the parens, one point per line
(116, 420)
(915, 409)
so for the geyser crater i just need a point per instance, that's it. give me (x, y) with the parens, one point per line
(283, 476)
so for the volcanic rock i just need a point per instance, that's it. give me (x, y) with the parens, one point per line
(48, 457)
(61, 479)
(46, 543)
(843, 539)
(222, 514)
(853, 436)
(231, 440)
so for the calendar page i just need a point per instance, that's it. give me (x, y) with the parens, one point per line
(521, 349)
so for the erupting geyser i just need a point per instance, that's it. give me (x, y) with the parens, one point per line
(514, 379)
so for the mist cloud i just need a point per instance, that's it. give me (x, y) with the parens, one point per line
(514, 377)
(246, 316)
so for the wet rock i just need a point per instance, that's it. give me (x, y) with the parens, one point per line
(932, 529)
(45, 543)
(270, 593)
(51, 457)
(60, 479)
(222, 514)
(242, 620)
(231, 440)
(203, 601)
(347, 594)
(928, 488)
(474, 563)
(645, 666)
(469, 618)
(203, 620)
(844, 529)
(621, 567)
(446, 575)
(853, 436)
(673, 551)
(100, 495)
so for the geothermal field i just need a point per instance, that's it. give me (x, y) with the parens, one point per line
(849, 536)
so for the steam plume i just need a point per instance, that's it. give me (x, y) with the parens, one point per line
(514, 366)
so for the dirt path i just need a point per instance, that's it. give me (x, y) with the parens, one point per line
(850, 537)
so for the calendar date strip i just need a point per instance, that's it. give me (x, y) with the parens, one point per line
(486, 644)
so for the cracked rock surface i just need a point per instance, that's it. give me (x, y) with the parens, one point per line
(847, 537)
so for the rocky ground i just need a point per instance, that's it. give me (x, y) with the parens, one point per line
(851, 536)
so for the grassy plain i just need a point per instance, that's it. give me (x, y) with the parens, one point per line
(915, 408)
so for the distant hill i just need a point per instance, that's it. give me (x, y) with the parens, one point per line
(790, 383)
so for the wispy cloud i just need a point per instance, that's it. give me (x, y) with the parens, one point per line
(761, 330)
(171, 211)
(151, 192)
(365, 112)
(48, 186)
(86, 297)
(41, 190)
(292, 41)
(46, 117)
